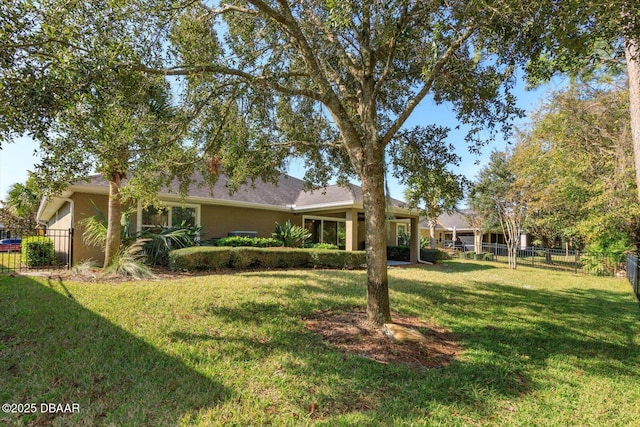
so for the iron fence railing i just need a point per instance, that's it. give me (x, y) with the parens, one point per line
(551, 258)
(34, 250)
(633, 274)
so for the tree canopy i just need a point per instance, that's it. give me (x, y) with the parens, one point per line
(259, 81)
(575, 165)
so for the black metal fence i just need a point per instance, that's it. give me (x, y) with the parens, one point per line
(633, 274)
(556, 259)
(35, 250)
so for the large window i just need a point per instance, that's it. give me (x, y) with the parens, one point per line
(171, 216)
(326, 230)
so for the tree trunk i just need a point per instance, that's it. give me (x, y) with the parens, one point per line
(372, 178)
(632, 53)
(113, 220)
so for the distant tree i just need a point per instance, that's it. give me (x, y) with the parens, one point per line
(495, 197)
(22, 203)
(587, 38)
(421, 161)
(575, 166)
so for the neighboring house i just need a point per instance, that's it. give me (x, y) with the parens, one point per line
(449, 227)
(333, 215)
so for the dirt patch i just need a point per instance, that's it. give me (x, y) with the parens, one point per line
(351, 333)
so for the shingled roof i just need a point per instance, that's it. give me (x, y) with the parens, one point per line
(288, 192)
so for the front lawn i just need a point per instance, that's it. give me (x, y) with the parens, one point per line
(539, 348)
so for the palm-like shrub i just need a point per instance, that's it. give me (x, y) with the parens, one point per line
(291, 236)
(158, 243)
(129, 262)
(150, 246)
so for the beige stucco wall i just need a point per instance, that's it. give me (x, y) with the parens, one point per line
(217, 221)
(84, 208)
(61, 220)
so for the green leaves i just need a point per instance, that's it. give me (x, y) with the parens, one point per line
(420, 159)
(291, 236)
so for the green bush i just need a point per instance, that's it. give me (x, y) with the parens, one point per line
(291, 236)
(257, 242)
(398, 253)
(487, 256)
(467, 255)
(433, 255)
(37, 251)
(403, 253)
(200, 258)
(337, 259)
(216, 258)
(321, 246)
(159, 242)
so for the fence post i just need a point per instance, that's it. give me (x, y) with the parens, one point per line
(70, 249)
(575, 261)
(533, 256)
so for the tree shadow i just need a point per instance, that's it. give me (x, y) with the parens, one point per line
(505, 347)
(54, 350)
(128, 381)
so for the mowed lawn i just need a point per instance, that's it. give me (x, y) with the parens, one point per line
(540, 348)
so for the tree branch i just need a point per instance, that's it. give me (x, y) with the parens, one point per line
(435, 72)
(264, 81)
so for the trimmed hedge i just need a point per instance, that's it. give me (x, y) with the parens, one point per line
(37, 251)
(483, 256)
(256, 242)
(218, 258)
(402, 253)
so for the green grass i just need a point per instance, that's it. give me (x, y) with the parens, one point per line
(9, 261)
(541, 348)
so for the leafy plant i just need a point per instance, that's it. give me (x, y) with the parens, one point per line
(158, 243)
(129, 262)
(258, 242)
(95, 228)
(291, 236)
(37, 251)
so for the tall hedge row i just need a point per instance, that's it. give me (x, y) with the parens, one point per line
(218, 258)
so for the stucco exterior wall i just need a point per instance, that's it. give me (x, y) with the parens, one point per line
(217, 221)
(62, 219)
(84, 208)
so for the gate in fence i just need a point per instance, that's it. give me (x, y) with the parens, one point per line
(633, 273)
(35, 250)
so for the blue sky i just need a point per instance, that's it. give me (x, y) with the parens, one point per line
(18, 158)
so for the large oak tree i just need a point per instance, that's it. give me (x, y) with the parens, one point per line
(263, 80)
(355, 69)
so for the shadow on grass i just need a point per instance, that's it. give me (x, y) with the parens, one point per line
(510, 334)
(56, 351)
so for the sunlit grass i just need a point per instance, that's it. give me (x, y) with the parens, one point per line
(541, 348)
(9, 261)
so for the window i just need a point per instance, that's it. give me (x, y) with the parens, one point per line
(402, 236)
(180, 215)
(171, 216)
(326, 230)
